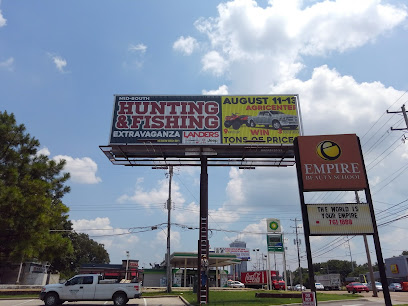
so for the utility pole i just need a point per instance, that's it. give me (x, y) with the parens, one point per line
(404, 113)
(169, 274)
(351, 256)
(298, 253)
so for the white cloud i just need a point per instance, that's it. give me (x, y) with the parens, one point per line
(3, 21)
(44, 151)
(156, 196)
(138, 48)
(338, 103)
(135, 57)
(82, 170)
(214, 63)
(187, 214)
(8, 64)
(235, 187)
(60, 63)
(252, 234)
(161, 238)
(222, 90)
(99, 229)
(185, 45)
(262, 46)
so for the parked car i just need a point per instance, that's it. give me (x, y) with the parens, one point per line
(236, 284)
(395, 287)
(298, 287)
(319, 286)
(378, 286)
(356, 287)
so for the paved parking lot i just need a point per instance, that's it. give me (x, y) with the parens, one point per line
(162, 301)
(396, 297)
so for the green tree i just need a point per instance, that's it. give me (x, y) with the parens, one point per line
(404, 253)
(342, 267)
(86, 251)
(31, 191)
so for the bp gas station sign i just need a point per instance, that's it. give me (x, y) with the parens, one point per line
(273, 226)
(274, 236)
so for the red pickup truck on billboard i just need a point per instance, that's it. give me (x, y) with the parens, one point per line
(258, 279)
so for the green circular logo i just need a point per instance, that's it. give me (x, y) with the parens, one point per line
(274, 225)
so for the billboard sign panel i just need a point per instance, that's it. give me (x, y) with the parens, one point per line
(205, 120)
(241, 253)
(331, 162)
(340, 219)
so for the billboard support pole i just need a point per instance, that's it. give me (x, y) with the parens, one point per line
(268, 273)
(168, 261)
(380, 260)
(203, 243)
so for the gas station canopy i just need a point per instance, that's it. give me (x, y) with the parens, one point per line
(189, 260)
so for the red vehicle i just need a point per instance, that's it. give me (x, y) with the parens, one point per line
(236, 120)
(258, 279)
(356, 287)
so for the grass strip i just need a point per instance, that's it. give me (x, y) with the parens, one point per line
(247, 298)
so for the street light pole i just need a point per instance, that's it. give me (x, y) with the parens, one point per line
(257, 267)
(127, 264)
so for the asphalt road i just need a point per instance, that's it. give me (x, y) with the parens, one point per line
(163, 301)
(396, 298)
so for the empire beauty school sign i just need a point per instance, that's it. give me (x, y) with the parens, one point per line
(331, 162)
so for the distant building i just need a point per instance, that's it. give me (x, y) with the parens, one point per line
(243, 266)
(396, 269)
(113, 271)
(27, 273)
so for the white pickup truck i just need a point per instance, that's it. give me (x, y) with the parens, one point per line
(90, 287)
(276, 119)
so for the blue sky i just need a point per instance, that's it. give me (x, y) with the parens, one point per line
(61, 62)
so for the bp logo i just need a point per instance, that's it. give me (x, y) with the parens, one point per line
(274, 225)
(328, 150)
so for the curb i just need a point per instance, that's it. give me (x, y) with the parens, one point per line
(184, 301)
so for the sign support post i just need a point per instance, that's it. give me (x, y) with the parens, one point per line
(376, 238)
(335, 163)
(305, 218)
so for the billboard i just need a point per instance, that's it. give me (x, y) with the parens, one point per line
(340, 219)
(331, 162)
(241, 253)
(205, 120)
